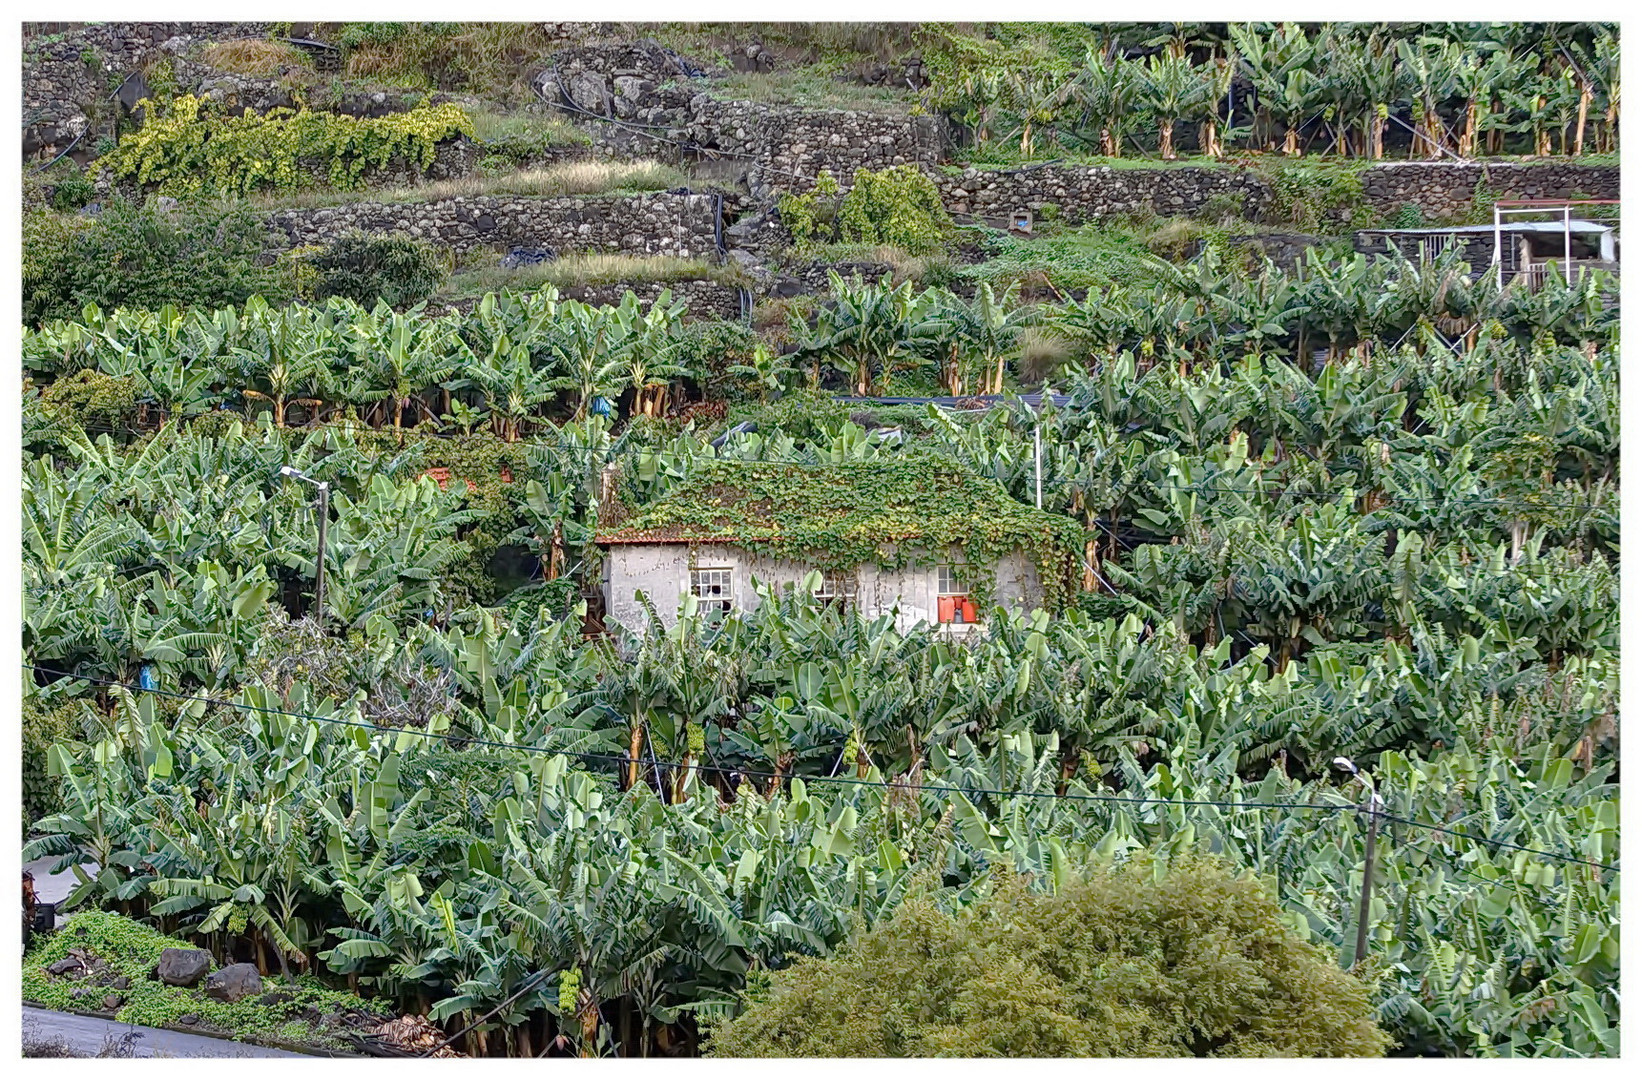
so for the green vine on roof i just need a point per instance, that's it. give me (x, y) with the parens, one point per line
(893, 514)
(185, 149)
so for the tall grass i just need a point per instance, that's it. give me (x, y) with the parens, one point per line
(256, 57)
(588, 269)
(567, 178)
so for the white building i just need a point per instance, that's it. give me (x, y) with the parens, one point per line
(885, 537)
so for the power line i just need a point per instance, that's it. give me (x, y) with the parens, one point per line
(859, 782)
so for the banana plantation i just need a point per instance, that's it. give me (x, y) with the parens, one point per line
(1396, 544)
(1350, 89)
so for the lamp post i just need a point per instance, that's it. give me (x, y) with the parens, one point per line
(324, 519)
(1368, 857)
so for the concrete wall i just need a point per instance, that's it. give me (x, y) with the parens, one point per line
(662, 573)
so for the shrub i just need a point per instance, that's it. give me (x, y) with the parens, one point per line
(90, 397)
(203, 253)
(899, 206)
(399, 270)
(1193, 961)
(186, 149)
(72, 192)
(43, 726)
(257, 57)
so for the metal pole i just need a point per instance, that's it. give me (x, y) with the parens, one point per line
(1499, 267)
(1368, 878)
(1037, 458)
(1567, 242)
(319, 565)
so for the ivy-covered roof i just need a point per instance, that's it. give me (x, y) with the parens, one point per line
(838, 516)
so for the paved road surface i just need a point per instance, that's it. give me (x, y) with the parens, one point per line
(86, 1036)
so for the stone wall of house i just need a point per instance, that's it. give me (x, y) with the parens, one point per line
(1477, 248)
(1446, 189)
(662, 573)
(660, 223)
(1080, 193)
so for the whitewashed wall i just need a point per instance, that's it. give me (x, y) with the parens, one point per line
(662, 573)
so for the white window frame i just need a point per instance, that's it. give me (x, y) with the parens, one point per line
(704, 580)
(841, 587)
(949, 580)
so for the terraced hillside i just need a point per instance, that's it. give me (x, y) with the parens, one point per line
(1325, 677)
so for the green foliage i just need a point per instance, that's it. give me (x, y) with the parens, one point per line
(44, 725)
(92, 399)
(398, 270)
(181, 151)
(1407, 216)
(72, 192)
(1135, 961)
(892, 514)
(1309, 196)
(200, 253)
(291, 1010)
(898, 206)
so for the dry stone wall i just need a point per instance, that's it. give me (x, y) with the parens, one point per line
(1081, 193)
(704, 299)
(70, 76)
(1444, 189)
(661, 223)
(786, 147)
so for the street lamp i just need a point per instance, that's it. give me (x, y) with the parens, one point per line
(1374, 803)
(324, 519)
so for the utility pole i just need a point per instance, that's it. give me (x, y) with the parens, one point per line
(1037, 458)
(324, 520)
(1366, 897)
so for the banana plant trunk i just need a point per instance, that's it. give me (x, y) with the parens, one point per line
(635, 744)
(1165, 139)
(588, 1014)
(1579, 123)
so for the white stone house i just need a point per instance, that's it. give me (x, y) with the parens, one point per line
(718, 540)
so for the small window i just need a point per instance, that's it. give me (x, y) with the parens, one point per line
(837, 588)
(714, 589)
(952, 596)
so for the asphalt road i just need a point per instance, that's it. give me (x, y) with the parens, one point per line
(88, 1036)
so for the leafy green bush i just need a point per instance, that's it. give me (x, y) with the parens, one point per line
(187, 149)
(899, 206)
(72, 192)
(43, 726)
(198, 253)
(399, 270)
(90, 397)
(1192, 962)
(1308, 196)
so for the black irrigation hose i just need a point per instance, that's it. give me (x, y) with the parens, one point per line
(528, 985)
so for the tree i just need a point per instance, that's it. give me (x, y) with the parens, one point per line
(1194, 961)
(1107, 87)
(1169, 88)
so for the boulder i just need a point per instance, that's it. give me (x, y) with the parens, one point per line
(183, 967)
(112, 1002)
(233, 982)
